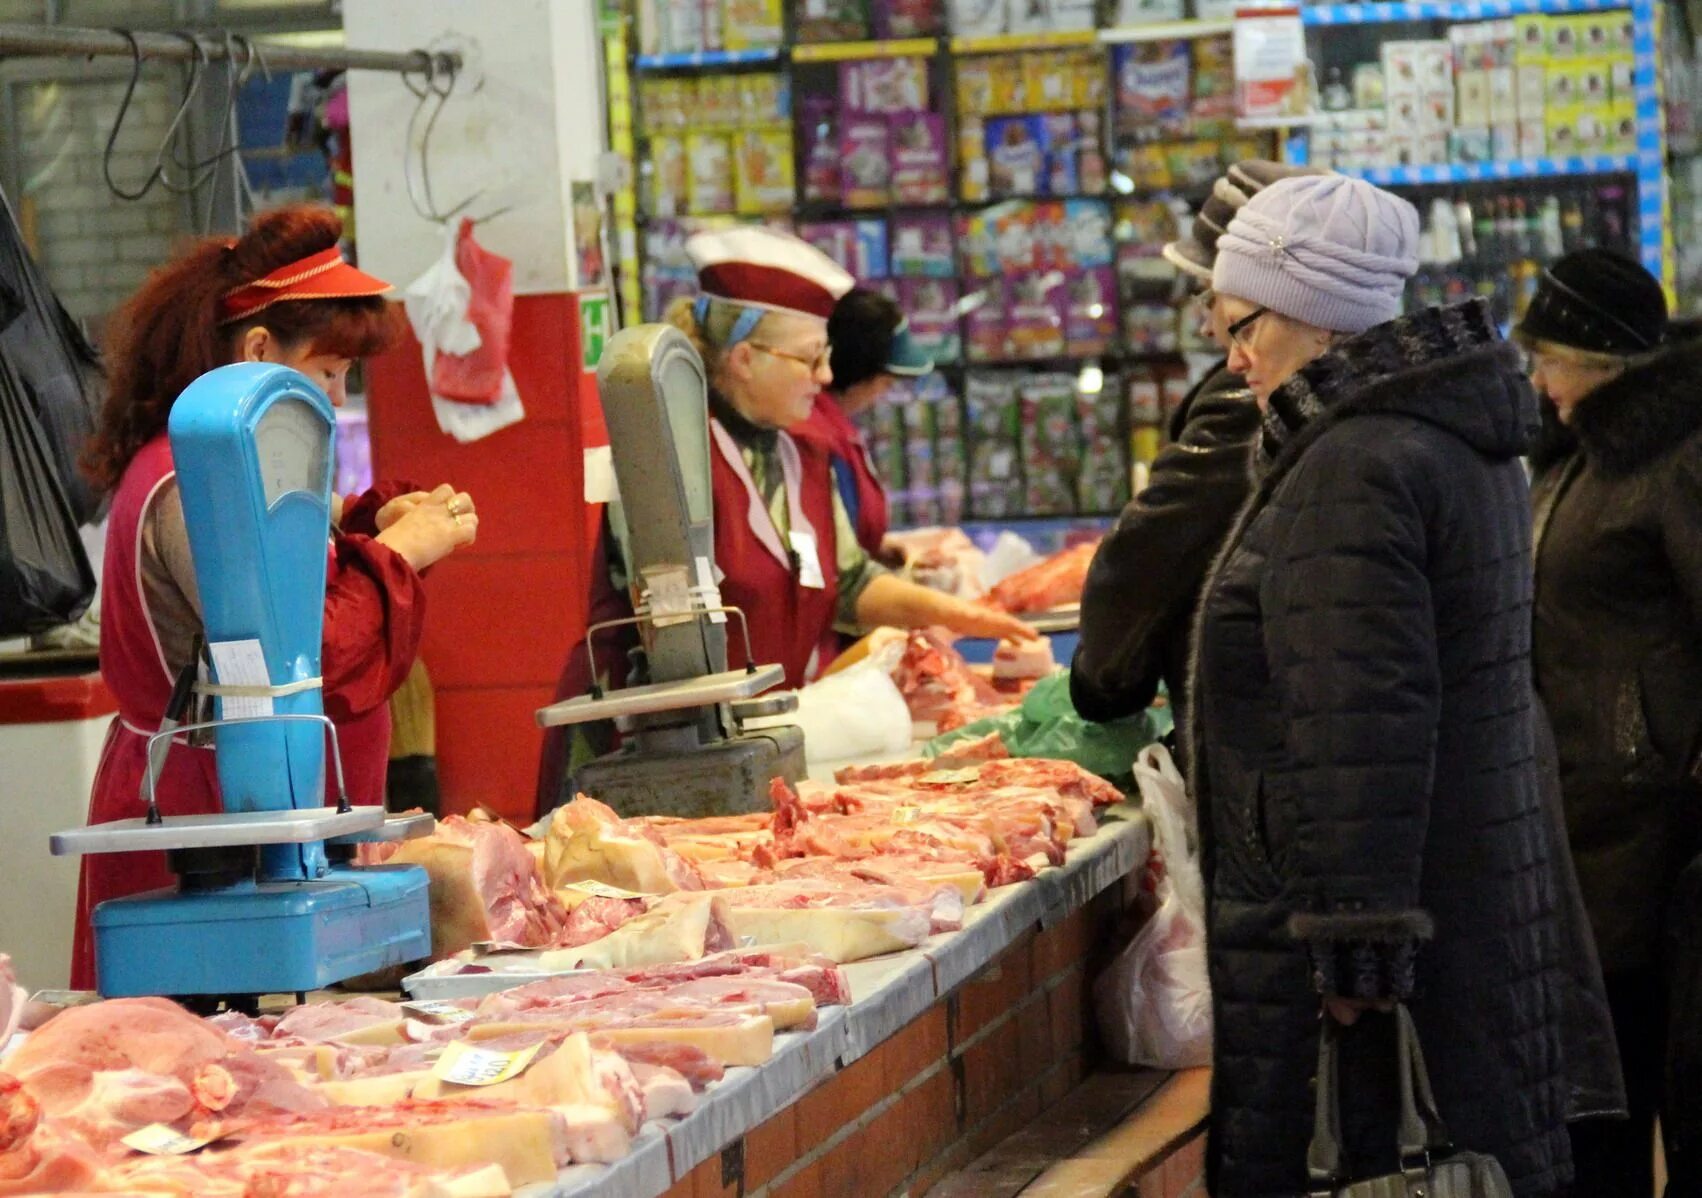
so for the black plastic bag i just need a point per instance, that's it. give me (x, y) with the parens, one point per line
(45, 579)
(57, 369)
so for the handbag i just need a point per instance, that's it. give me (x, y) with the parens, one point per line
(1429, 1166)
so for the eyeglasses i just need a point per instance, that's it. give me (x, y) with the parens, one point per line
(1234, 331)
(821, 361)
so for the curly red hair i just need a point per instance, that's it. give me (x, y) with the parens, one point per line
(168, 334)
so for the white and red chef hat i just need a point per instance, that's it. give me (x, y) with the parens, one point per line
(766, 269)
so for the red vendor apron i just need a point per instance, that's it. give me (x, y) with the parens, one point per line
(830, 432)
(135, 669)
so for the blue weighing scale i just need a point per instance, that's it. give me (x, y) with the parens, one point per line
(266, 901)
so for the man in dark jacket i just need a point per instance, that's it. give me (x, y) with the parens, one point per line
(1137, 608)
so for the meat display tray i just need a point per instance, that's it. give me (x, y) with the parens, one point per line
(887, 994)
(1057, 619)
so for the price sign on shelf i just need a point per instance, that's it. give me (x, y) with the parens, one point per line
(434, 1010)
(1270, 63)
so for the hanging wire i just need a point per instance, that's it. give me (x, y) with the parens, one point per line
(433, 88)
(157, 175)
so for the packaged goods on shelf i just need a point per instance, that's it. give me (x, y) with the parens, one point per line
(986, 322)
(865, 154)
(753, 24)
(831, 20)
(1144, 12)
(762, 172)
(860, 246)
(921, 159)
(1102, 480)
(922, 247)
(709, 179)
(1051, 448)
(994, 412)
(898, 19)
(931, 306)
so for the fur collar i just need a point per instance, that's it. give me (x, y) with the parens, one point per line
(1643, 414)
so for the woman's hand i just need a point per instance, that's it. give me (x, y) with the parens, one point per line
(433, 528)
(977, 620)
(403, 504)
(1346, 1011)
(336, 510)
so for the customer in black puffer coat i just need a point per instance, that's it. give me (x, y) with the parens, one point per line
(1364, 735)
(1618, 655)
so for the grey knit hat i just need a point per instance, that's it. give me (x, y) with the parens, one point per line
(1193, 254)
(1331, 251)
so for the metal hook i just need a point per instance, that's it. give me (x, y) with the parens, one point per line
(421, 197)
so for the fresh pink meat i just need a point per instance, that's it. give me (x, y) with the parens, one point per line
(938, 686)
(107, 1069)
(320, 1022)
(12, 1000)
(1051, 583)
(485, 885)
(595, 918)
(37, 1155)
(696, 1066)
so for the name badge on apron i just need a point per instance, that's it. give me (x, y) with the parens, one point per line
(809, 564)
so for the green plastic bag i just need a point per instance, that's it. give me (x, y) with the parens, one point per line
(1046, 725)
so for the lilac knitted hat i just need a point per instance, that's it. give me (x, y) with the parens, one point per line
(1327, 250)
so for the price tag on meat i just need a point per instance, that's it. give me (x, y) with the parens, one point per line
(157, 1139)
(950, 777)
(463, 1065)
(434, 1010)
(592, 889)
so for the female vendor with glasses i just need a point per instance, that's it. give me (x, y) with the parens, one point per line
(786, 551)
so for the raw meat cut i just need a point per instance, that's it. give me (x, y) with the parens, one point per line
(595, 917)
(696, 1066)
(529, 1145)
(680, 927)
(939, 687)
(294, 1171)
(107, 1069)
(12, 1000)
(1017, 665)
(943, 559)
(39, 1156)
(360, 1020)
(1055, 582)
(485, 885)
(588, 842)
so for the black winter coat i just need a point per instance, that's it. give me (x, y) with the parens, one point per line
(1618, 642)
(1137, 609)
(1365, 764)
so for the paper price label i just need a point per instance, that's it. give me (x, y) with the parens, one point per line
(435, 1010)
(950, 777)
(601, 890)
(157, 1139)
(906, 815)
(463, 1065)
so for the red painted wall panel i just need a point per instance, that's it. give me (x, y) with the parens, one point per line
(503, 612)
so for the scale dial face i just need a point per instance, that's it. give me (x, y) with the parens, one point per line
(292, 447)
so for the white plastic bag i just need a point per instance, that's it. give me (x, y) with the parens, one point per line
(437, 304)
(857, 712)
(1154, 1001)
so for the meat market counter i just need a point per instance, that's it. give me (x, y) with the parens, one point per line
(943, 1050)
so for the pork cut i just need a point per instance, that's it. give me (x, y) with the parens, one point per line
(1055, 582)
(588, 842)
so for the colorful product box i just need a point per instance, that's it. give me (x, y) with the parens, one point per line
(921, 166)
(670, 177)
(1090, 314)
(763, 178)
(764, 99)
(974, 182)
(922, 247)
(1017, 151)
(858, 245)
(820, 130)
(1214, 79)
(931, 307)
(886, 85)
(897, 19)
(977, 18)
(709, 185)
(986, 326)
(831, 20)
(1154, 89)
(865, 162)
(1036, 315)
(754, 24)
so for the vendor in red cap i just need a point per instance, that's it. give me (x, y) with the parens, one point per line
(280, 293)
(872, 350)
(785, 548)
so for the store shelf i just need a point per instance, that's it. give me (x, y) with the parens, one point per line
(916, 47)
(1447, 10)
(1491, 172)
(706, 58)
(1006, 43)
(1164, 31)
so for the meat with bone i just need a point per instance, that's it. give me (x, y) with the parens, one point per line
(107, 1069)
(294, 1171)
(485, 885)
(588, 842)
(693, 1064)
(37, 1155)
(939, 687)
(360, 1020)
(1055, 582)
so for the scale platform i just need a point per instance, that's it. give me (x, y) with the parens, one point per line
(706, 691)
(232, 829)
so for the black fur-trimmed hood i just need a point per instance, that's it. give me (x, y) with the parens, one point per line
(1644, 413)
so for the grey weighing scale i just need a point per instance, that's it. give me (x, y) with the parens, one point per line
(685, 750)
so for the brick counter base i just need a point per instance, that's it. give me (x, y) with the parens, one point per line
(978, 1065)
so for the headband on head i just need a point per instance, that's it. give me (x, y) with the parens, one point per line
(321, 276)
(743, 327)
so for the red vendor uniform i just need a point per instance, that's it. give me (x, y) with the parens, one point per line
(830, 434)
